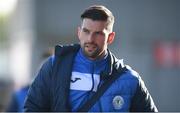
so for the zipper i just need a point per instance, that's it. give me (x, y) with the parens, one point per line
(92, 76)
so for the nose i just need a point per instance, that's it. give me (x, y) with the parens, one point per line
(90, 38)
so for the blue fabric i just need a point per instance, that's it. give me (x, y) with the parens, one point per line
(125, 86)
(52, 88)
(83, 65)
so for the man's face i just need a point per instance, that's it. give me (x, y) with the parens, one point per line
(94, 38)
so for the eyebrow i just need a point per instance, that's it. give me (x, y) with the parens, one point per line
(85, 29)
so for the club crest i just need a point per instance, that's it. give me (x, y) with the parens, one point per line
(118, 102)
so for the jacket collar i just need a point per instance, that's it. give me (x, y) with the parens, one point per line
(62, 50)
(114, 63)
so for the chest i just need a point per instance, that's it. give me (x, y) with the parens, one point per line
(117, 97)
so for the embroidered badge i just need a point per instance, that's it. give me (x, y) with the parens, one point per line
(118, 102)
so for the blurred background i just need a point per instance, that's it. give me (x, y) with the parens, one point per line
(147, 38)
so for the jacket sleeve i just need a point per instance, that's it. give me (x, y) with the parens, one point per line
(38, 97)
(142, 100)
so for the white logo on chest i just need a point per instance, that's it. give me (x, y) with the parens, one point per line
(83, 81)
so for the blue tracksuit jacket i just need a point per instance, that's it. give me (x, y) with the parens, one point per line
(68, 79)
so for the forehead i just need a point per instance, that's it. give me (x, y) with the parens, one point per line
(94, 25)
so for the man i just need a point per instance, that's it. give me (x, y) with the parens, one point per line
(75, 73)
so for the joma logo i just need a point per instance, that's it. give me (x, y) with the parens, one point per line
(75, 79)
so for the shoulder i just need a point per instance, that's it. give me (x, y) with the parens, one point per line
(44, 71)
(129, 73)
(130, 77)
(132, 73)
(61, 50)
(48, 63)
(134, 78)
(128, 81)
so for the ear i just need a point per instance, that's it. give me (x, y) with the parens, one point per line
(78, 31)
(111, 37)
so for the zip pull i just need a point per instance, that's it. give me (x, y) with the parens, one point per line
(92, 77)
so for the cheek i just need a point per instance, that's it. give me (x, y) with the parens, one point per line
(81, 39)
(101, 40)
(101, 43)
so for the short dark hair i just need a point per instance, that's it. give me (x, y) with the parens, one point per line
(99, 12)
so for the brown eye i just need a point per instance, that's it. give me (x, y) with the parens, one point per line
(85, 31)
(99, 33)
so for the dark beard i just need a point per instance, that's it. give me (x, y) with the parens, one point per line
(90, 54)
